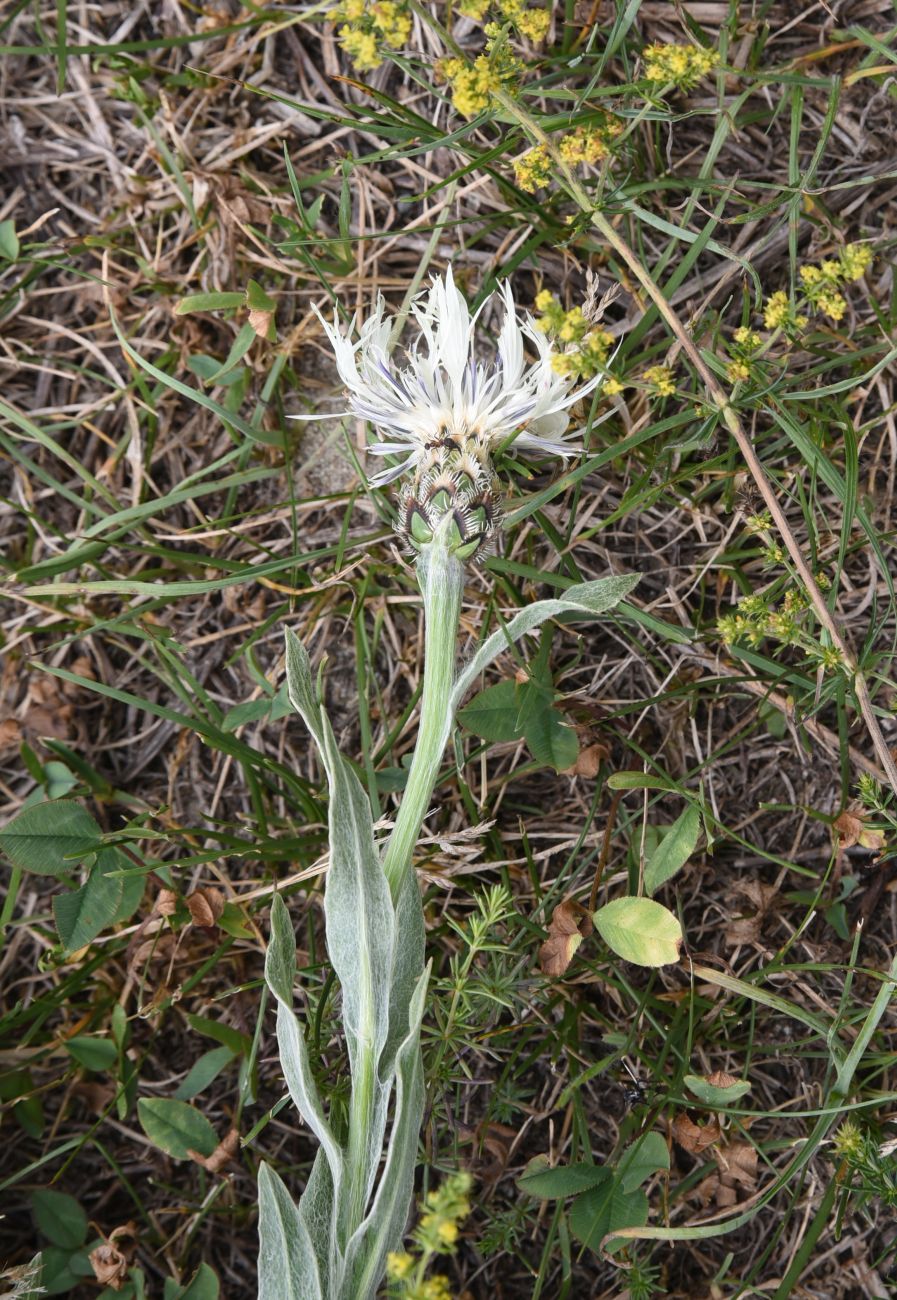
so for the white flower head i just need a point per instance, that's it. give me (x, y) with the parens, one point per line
(445, 395)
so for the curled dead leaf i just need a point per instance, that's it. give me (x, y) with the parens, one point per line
(10, 735)
(166, 902)
(720, 1079)
(205, 905)
(493, 1144)
(737, 1162)
(589, 760)
(109, 1263)
(261, 322)
(692, 1137)
(570, 923)
(97, 1097)
(222, 1155)
(850, 829)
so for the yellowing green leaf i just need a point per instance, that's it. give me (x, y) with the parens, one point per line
(640, 930)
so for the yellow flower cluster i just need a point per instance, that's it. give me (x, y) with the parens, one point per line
(531, 23)
(532, 169)
(855, 260)
(779, 312)
(586, 349)
(590, 144)
(756, 618)
(745, 342)
(821, 286)
(435, 1234)
(368, 27)
(661, 379)
(472, 84)
(679, 65)
(586, 145)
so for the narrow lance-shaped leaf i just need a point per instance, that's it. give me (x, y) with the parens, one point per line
(674, 850)
(587, 598)
(359, 912)
(280, 970)
(288, 1269)
(384, 1226)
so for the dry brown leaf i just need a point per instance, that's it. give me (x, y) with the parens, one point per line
(589, 760)
(850, 829)
(10, 735)
(746, 929)
(96, 1096)
(692, 1137)
(720, 1079)
(82, 667)
(205, 905)
(110, 1266)
(261, 322)
(47, 712)
(737, 1163)
(492, 1143)
(570, 923)
(221, 1156)
(166, 902)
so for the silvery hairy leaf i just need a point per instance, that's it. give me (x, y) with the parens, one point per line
(280, 971)
(408, 962)
(288, 1269)
(586, 597)
(360, 920)
(384, 1227)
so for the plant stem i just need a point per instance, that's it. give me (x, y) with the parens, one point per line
(441, 579)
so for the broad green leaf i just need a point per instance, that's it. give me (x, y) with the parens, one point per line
(640, 930)
(9, 241)
(493, 713)
(640, 781)
(82, 914)
(239, 1043)
(645, 1157)
(97, 1054)
(175, 1127)
(209, 302)
(552, 1183)
(203, 1072)
(61, 1270)
(257, 299)
(604, 1209)
(50, 838)
(551, 740)
(713, 1094)
(203, 1285)
(408, 962)
(248, 711)
(675, 848)
(287, 1267)
(59, 1218)
(132, 889)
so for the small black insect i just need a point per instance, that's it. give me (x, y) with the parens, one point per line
(634, 1093)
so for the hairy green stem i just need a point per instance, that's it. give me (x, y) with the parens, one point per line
(441, 578)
